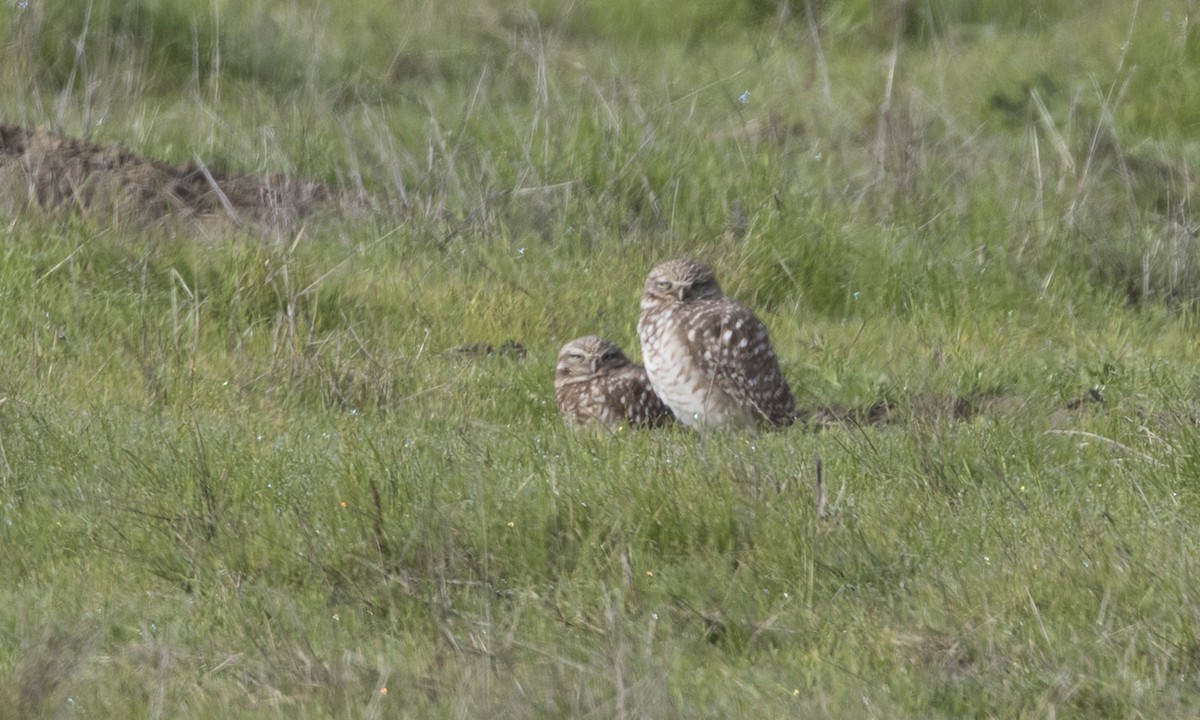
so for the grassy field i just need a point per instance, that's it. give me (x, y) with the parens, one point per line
(244, 473)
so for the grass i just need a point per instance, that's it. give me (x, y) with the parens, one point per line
(245, 474)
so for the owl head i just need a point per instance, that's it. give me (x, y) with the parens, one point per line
(679, 281)
(588, 356)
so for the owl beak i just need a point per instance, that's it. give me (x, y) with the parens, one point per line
(595, 364)
(680, 290)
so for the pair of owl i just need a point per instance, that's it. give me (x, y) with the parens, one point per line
(709, 362)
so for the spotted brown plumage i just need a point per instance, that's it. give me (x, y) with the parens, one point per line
(595, 383)
(707, 355)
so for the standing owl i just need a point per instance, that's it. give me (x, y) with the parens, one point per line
(708, 356)
(595, 383)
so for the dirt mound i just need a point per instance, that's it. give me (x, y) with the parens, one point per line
(57, 172)
(933, 408)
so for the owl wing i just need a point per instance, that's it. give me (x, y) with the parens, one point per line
(734, 349)
(639, 403)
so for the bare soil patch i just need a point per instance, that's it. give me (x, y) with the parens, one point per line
(932, 408)
(56, 172)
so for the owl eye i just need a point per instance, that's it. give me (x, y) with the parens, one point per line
(575, 356)
(662, 285)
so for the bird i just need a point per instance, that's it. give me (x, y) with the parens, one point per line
(596, 384)
(707, 355)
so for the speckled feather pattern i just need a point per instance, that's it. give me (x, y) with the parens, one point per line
(707, 355)
(596, 384)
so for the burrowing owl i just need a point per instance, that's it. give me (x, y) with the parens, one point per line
(595, 383)
(707, 355)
